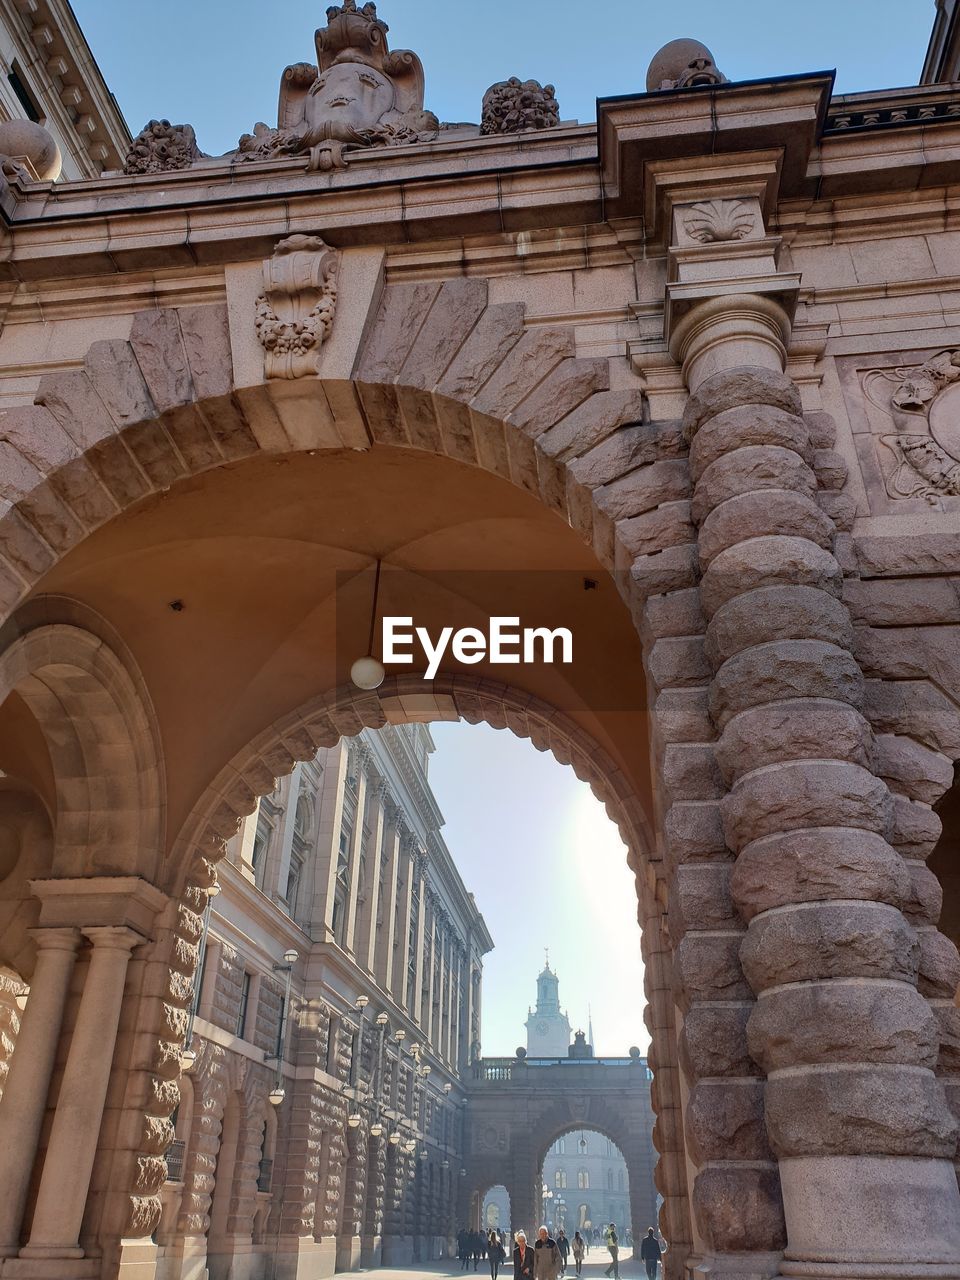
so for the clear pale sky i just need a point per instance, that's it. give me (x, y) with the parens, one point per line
(534, 845)
(216, 64)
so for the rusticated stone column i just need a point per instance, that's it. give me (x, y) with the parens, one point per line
(28, 1081)
(854, 1114)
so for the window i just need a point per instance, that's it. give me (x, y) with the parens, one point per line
(609, 1179)
(620, 1184)
(18, 83)
(339, 916)
(561, 1147)
(294, 877)
(244, 1005)
(583, 1180)
(280, 1026)
(560, 1179)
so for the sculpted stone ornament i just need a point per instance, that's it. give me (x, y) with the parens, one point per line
(162, 147)
(683, 64)
(719, 221)
(924, 402)
(296, 309)
(358, 96)
(515, 106)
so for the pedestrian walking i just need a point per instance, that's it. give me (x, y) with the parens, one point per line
(579, 1249)
(613, 1244)
(463, 1248)
(548, 1260)
(563, 1244)
(523, 1259)
(650, 1253)
(495, 1254)
(477, 1248)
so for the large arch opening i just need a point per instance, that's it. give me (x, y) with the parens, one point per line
(232, 591)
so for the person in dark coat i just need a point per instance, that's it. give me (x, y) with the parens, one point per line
(650, 1252)
(495, 1254)
(522, 1259)
(563, 1244)
(463, 1248)
(476, 1246)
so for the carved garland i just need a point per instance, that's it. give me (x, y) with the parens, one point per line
(908, 393)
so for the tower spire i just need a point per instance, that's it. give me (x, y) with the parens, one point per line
(590, 1024)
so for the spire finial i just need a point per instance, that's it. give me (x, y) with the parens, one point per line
(546, 952)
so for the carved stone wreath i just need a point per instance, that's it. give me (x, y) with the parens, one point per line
(162, 147)
(927, 439)
(294, 314)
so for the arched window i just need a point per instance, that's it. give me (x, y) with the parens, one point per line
(583, 1180)
(560, 1179)
(620, 1186)
(609, 1179)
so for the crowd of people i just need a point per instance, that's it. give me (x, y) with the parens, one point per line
(549, 1258)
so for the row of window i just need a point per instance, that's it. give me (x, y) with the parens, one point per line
(584, 1143)
(583, 1180)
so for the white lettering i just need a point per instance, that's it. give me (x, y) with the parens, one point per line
(500, 637)
(532, 634)
(392, 637)
(434, 652)
(470, 646)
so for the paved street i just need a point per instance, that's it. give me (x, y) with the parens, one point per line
(630, 1269)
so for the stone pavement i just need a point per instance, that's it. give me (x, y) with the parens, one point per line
(630, 1269)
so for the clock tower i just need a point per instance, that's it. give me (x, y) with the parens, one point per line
(548, 1028)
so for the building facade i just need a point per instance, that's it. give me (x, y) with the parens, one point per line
(49, 78)
(337, 1000)
(682, 380)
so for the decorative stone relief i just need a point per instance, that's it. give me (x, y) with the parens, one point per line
(358, 96)
(923, 403)
(296, 309)
(516, 106)
(162, 147)
(719, 221)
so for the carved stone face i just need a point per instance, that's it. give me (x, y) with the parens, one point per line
(350, 94)
(683, 64)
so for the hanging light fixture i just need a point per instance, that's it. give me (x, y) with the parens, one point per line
(394, 1139)
(368, 672)
(376, 1130)
(276, 1096)
(582, 1144)
(188, 1060)
(423, 1154)
(353, 1120)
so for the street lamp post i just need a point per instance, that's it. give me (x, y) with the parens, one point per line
(189, 1055)
(278, 1093)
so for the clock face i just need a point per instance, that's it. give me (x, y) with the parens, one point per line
(542, 1028)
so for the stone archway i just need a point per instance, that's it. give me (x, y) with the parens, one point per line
(233, 795)
(747, 816)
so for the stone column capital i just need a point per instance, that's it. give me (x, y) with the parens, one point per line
(715, 327)
(99, 902)
(113, 938)
(65, 939)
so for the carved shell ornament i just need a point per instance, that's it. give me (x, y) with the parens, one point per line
(924, 402)
(719, 221)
